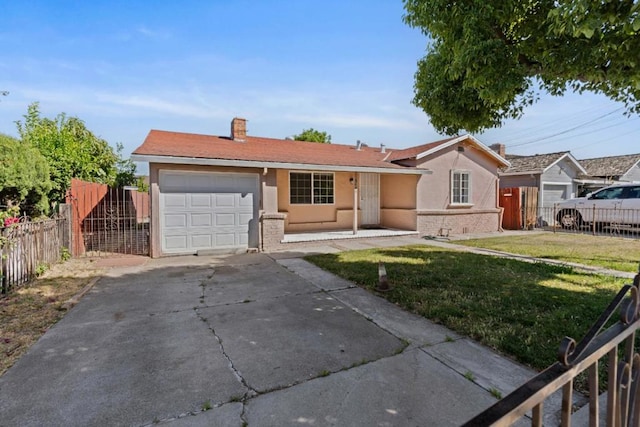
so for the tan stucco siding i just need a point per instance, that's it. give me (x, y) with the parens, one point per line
(398, 201)
(434, 191)
(398, 191)
(338, 215)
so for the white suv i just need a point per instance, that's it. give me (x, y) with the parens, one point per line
(616, 204)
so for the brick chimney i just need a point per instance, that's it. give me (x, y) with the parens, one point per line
(239, 129)
(499, 148)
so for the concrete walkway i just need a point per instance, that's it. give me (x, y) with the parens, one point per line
(253, 339)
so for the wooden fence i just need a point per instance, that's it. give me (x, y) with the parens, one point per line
(28, 246)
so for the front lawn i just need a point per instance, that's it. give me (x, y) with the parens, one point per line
(600, 251)
(517, 308)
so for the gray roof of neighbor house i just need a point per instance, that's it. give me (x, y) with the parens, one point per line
(532, 164)
(610, 166)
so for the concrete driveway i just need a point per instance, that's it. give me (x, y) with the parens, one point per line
(246, 340)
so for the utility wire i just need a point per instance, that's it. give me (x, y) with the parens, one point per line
(588, 123)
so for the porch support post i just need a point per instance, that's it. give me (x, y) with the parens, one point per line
(355, 207)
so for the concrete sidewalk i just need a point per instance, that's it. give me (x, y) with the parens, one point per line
(253, 339)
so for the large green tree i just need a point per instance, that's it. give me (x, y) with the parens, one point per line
(313, 135)
(486, 58)
(24, 177)
(73, 151)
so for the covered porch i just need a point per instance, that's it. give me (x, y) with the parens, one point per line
(334, 204)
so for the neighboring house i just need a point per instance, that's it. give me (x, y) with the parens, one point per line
(554, 174)
(602, 171)
(219, 192)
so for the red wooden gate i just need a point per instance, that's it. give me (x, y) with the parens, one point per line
(510, 201)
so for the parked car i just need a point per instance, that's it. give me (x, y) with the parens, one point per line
(616, 204)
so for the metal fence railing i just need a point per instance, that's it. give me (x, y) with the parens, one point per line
(611, 347)
(26, 247)
(599, 221)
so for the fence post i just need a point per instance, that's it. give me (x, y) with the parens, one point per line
(555, 217)
(65, 212)
(593, 222)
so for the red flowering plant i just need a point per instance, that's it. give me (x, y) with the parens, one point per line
(10, 216)
(8, 222)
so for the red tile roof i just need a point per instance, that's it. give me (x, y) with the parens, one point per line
(177, 144)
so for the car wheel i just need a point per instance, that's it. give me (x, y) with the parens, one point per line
(569, 219)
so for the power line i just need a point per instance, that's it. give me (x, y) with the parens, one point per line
(584, 124)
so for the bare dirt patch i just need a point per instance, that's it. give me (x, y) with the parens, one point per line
(27, 312)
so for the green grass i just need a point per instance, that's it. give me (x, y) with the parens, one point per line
(517, 308)
(600, 251)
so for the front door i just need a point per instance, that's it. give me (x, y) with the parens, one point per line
(369, 187)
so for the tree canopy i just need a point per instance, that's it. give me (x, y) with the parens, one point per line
(24, 177)
(312, 135)
(73, 151)
(485, 58)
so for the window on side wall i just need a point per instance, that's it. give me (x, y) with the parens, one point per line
(460, 187)
(311, 188)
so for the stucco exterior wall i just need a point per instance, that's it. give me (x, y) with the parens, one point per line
(442, 223)
(434, 191)
(338, 215)
(398, 201)
(436, 215)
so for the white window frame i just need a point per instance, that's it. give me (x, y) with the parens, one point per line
(469, 201)
(312, 173)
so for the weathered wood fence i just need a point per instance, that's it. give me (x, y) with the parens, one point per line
(26, 247)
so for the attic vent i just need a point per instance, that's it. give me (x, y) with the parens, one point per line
(358, 145)
(460, 148)
(383, 148)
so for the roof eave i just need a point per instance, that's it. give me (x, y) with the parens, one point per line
(573, 160)
(276, 165)
(538, 172)
(487, 150)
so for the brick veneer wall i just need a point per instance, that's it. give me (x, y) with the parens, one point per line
(437, 223)
(272, 230)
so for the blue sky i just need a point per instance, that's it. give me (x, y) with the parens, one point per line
(345, 67)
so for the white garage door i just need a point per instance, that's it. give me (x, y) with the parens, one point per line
(554, 193)
(200, 211)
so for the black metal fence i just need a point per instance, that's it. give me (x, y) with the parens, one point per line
(26, 248)
(597, 221)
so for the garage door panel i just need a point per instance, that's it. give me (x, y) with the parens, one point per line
(200, 200)
(175, 220)
(175, 243)
(226, 239)
(224, 200)
(207, 211)
(201, 220)
(225, 219)
(175, 201)
(201, 241)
